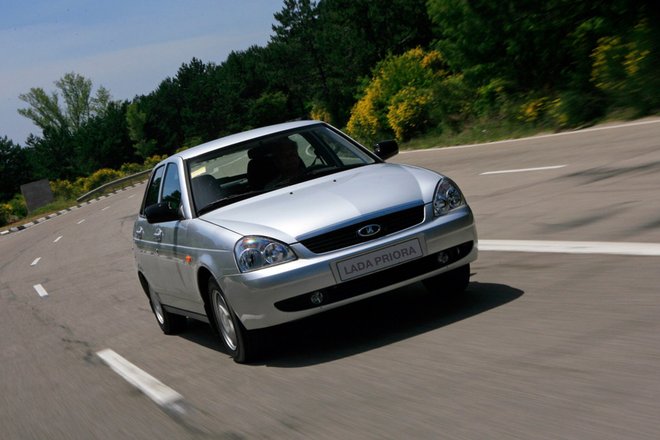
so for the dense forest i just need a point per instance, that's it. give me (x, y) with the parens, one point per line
(400, 69)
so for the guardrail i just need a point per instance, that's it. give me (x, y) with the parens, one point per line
(114, 184)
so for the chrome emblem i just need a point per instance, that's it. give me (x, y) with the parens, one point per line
(369, 230)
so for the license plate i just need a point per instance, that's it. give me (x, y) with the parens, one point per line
(378, 260)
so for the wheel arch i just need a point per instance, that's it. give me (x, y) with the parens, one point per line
(203, 277)
(144, 283)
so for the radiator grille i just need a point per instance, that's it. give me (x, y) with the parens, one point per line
(348, 235)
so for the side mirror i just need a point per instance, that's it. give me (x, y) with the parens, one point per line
(161, 212)
(386, 149)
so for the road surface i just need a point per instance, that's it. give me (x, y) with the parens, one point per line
(546, 343)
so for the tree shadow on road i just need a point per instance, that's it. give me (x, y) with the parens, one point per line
(367, 325)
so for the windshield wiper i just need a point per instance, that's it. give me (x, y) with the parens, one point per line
(228, 200)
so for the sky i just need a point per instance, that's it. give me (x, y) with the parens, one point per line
(127, 46)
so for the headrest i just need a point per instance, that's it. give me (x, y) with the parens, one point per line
(268, 148)
(258, 152)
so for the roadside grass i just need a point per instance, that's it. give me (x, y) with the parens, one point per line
(476, 132)
(499, 129)
(55, 206)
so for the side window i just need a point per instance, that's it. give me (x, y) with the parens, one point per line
(154, 187)
(172, 187)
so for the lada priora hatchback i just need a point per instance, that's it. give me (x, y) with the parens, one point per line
(283, 222)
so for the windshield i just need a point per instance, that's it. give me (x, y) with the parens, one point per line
(237, 172)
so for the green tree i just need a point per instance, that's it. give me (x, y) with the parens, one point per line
(199, 100)
(296, 41)
(79, 104)
(135, 122)
(14, 170)
(252, 83)
(52, 156)
(103, 141)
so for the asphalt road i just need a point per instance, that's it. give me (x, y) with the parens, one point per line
(542, 345)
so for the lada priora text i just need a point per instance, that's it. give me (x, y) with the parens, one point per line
(279, 223)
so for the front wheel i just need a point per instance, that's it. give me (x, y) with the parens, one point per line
(452, 282)
(241, 344)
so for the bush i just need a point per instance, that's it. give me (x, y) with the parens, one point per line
(320, 113)
(5, 213)
(492, 98)
(398, 97)
(626, 69)
(534, 110)
(17, 207)
(364, 123)
(408, 112)
(453, 102)
(65, 190)
(572, 108)
(152, 161)
(100, 177)
(131, 168)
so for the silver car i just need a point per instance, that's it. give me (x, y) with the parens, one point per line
(283, 222)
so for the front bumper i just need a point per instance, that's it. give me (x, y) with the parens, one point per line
(284, 293)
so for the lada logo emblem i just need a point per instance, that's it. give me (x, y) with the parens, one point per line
(369, 230)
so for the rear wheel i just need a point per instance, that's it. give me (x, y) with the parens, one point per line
(452, 282)
(241, 344)
(169, 323)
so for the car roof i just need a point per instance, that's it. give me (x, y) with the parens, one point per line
(240, 137)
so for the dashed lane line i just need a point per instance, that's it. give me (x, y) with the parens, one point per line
(57, 239)
(157, 391)
(523, 170)
(36, 260)
(40, 290)
(572, 247)
(81, 221)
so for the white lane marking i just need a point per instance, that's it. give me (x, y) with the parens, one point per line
(40, 290)
(523, 170)
(81, 221)
(131, 196)
(36, 260)
(105, 208)
(543, 136)
(57, 239)
(572, 247)
(154, 389)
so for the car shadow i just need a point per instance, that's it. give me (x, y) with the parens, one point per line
(366, 325)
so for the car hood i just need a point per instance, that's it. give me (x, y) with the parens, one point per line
(309, 208)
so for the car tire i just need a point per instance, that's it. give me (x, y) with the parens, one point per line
(242, 345)
(169, 323)
(452, 282)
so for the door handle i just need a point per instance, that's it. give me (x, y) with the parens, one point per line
(138, 233)
(158, 235)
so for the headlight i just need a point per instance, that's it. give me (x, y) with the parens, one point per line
(447, 197)
(253, 253)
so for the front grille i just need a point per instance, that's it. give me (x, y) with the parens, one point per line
(348, 236)
(374, 281)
